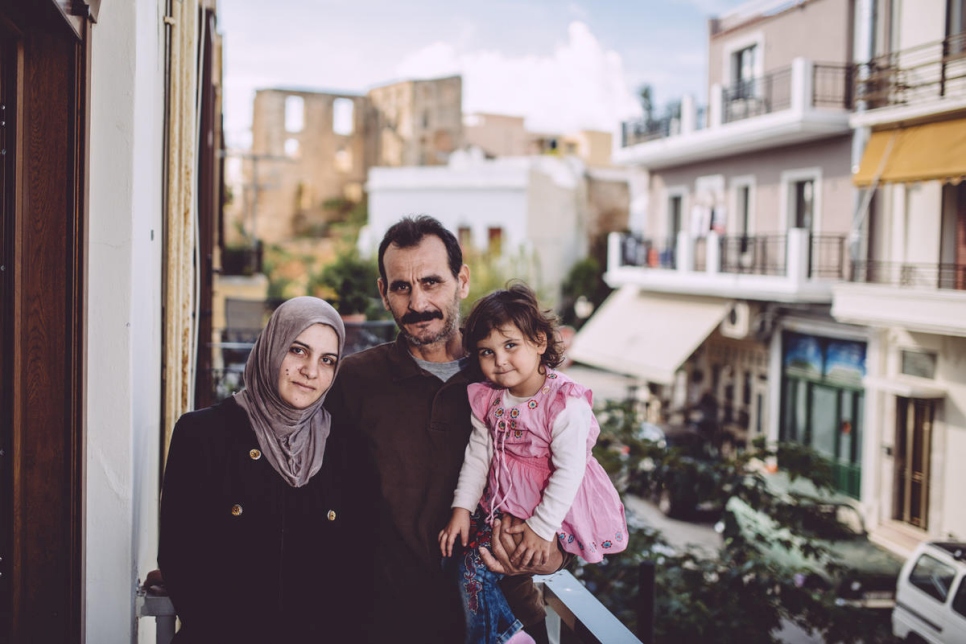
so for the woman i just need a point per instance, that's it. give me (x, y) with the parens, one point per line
(252, 527)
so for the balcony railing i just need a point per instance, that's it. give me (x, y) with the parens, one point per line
(574, 615)
(756, 96)
(914, 276)
(919, 74)
(803, 86)
(739, 254)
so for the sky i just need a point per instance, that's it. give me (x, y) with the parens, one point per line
(563, 65)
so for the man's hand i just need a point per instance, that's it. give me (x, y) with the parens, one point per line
(507, 535)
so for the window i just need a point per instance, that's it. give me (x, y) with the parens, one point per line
(803, 205)
(465, 235)
(495, 242)
(932, 577)
(743, 63)
(294, 114)
(919, 363)
(959, 601)
(343, 112)
(343, 160)
(292, 148)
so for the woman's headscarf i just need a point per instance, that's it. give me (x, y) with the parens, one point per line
(293, 440)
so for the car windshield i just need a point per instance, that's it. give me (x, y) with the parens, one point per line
(832, 520)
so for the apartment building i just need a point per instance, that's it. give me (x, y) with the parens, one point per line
(907, 285)
(724, 295)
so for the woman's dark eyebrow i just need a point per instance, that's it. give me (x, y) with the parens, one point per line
(301, 344)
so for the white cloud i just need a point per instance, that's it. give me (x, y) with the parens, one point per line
(580, 85)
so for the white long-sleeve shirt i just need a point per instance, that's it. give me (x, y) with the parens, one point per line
(568, 449)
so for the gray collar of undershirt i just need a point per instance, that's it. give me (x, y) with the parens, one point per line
(443, 370)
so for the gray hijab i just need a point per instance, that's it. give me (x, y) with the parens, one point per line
(293, 440)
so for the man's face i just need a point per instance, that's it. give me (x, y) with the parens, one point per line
(421, 292)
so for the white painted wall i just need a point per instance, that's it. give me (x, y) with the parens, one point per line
(124, 312)
(539, 202)
(923, 222)
(921, 22)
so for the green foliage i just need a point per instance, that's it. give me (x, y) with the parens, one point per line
(349, 283)
(734, 596)
(488, 274)
(585, 278)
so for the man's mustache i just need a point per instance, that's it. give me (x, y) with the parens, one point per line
(415, 317)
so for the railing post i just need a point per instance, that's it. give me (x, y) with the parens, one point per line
(712, 253)
(802, 85)
(645, 608)
(685, 252)
(715, 104)
(614, 251)
(797, 254)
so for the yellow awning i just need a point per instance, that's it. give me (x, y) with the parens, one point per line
(648, 335)
(934, 151)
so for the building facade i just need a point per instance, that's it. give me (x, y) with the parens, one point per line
(908, 282)
(728, 281)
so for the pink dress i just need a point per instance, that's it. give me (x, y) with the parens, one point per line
(595, 525)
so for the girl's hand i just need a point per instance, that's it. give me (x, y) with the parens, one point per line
(459, 525)
(533, 550)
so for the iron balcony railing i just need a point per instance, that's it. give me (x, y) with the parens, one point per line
(741, 254)
(910, 275)
(831, 87)
(928, 72)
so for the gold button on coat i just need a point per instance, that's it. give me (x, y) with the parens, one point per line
(331, 515)
(255, 454)
(236, 510)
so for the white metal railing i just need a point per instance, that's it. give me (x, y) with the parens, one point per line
(569, 605)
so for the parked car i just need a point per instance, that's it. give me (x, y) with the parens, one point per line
(678, 470)
(829, 550)
(931, 594)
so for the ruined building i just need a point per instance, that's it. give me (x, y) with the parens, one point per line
(311, 151)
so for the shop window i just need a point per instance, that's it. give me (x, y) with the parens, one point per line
(921, 364)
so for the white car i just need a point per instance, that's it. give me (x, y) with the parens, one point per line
(931, 595)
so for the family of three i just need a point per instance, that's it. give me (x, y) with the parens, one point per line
(408, 492)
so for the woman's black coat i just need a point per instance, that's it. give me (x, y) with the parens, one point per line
(245, 556)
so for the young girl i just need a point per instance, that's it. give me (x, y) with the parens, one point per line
(530, 450)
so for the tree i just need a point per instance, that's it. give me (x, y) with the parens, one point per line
(348, 283)
(735, 596)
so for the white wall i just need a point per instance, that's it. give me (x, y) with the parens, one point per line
(539, 203)
(921, 22)
(923, 222)
(124, 312)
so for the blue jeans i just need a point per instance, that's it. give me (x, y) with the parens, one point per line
(489, 619)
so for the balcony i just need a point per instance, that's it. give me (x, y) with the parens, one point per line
(805, 101)
(912, 83)
(795, 267)
(918, 296)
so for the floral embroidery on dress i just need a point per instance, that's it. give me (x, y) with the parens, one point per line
(501, 425)
(552, 375)
(514, 413)
(532, 404)
(499, 412)
(518, 433)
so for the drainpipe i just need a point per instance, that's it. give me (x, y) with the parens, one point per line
(864, 38)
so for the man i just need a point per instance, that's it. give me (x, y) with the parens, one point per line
(404, 407)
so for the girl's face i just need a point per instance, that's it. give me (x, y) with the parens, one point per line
(309, 366)
(510, 360)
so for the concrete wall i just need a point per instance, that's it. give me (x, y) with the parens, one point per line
(124, 313)
(300, 170)
(819, 30)
(920, 22)
(496, 134)
(770, 173)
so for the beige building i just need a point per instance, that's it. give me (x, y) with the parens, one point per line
(502, 135)
(311, 151)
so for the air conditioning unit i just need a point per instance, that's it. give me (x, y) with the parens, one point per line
(738, 321)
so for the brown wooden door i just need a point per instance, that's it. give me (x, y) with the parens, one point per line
(913, 445)
(43, 87)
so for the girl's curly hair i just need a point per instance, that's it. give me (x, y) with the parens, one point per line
(516, 304)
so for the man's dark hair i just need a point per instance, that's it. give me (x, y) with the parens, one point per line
(409, 231)
(516, 305)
